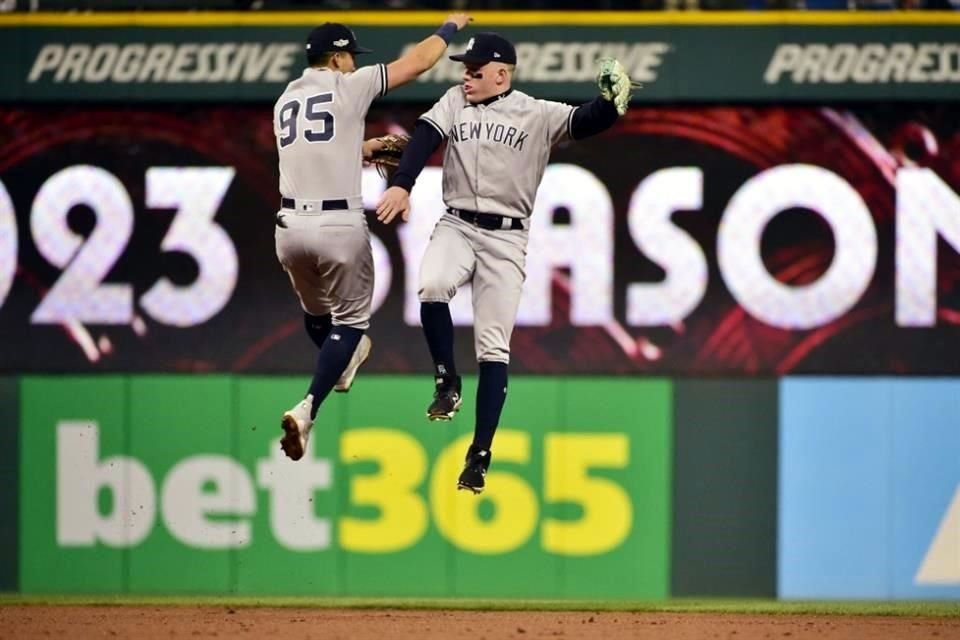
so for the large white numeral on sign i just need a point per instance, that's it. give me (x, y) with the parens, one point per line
(941, 564)
(196, 194)
(8, 243)
(79, 293)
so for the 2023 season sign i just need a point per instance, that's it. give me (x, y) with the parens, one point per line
(684, 241)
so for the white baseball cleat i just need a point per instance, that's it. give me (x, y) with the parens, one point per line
(360, 355)
(296, 424)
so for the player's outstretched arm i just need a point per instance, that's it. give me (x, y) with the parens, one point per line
(599, 114)
(592, 118)
(426, 53)
(396, 200)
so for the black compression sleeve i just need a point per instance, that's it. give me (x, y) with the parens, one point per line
(592, 117)
(423, 142)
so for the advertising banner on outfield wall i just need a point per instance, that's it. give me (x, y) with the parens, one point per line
(869, 489)
(127, 489)
(699, 58)
(686, 240)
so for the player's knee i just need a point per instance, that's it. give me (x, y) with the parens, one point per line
(355, 313)
(436, 289)
(493, 354)
(361, 322)
(492, 343)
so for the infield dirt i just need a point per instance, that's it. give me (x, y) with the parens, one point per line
(148, 622)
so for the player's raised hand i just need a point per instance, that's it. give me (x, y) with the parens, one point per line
(459, 19)
(395, 200)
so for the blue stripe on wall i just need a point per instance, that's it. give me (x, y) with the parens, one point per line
(868, 469)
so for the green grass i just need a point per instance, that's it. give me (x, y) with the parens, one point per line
(765, 607)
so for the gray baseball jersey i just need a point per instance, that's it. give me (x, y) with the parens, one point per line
(322, 238)
(496, 153)
(319, 124)
(494, 161)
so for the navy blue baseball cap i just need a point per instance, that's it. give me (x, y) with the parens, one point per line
(332, 37)
(487, 47)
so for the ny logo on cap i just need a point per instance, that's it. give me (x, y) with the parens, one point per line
(469, 44)
(341, 43)
(496, 55)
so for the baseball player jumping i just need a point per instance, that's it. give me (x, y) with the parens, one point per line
(498, 144)
(321, 232)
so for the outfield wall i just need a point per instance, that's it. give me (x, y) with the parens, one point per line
(152, 475)
(617, 488)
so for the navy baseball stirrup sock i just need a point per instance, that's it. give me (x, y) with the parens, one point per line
(333, 358)
(491, 395)
(438, 329)
(318, 327)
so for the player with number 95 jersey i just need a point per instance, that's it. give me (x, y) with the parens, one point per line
(322, 239)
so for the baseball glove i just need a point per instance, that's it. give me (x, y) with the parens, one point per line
(615, 84)
(387, 157)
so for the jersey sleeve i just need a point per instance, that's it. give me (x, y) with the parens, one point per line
(557, 118)
(276, 119)
(441, 115)
(285, 109)
(366, 84)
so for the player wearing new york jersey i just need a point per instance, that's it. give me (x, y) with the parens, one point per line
(498, 141)
(322, 238)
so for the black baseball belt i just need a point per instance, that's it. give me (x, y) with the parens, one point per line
(313, 205)
(490, 221)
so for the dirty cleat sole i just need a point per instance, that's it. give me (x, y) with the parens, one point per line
(466, 487)
(292, 442)
(444, 416)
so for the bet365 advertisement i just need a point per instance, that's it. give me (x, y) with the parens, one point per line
(123, 489)
(695, 240)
